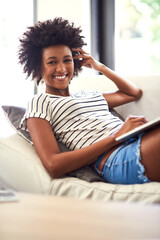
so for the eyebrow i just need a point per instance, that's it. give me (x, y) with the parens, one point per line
(56, 57)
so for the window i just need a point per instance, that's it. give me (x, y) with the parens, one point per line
(137, 24)
(15, 16)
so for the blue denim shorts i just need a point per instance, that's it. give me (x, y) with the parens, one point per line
(124, 165)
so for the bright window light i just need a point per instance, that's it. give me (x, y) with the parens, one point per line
(137, 37)
(15, 16)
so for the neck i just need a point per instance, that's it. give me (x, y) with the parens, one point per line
(59, 92)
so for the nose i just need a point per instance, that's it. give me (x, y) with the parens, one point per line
(60, 67)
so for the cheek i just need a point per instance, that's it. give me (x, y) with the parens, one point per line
(46, 71)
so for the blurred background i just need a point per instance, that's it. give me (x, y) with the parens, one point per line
(123, 34)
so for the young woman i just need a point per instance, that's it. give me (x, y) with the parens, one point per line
(51, 51)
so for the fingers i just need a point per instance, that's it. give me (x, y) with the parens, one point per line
(131, 122)
(84, 57)
(80, 50)
(136, 121)
(137, 118)
(80, 53)
(80, 56)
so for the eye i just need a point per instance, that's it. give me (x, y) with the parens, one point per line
(51, 62)
(68, 60)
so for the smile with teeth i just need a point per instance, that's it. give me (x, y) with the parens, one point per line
(60, 77)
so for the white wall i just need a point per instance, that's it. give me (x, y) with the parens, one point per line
(76, 11)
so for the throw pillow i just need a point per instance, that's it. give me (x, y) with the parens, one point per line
(14, 115)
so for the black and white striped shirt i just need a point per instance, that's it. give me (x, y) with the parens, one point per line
(78, 120)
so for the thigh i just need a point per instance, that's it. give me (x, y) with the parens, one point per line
(150, 154)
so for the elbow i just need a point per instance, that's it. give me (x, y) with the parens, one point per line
(55, 173)
(53, 169)
(139, 94)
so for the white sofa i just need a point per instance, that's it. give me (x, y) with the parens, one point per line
(22, 170)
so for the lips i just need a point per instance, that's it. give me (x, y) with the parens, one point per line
(60, 77)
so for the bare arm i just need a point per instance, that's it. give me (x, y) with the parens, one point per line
(57, 163)
(54, 161)
(127, 91)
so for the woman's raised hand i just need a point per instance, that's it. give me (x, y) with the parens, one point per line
(86, 59)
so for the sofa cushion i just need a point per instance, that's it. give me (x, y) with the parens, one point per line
(20, 166)
(22, 170)
(100, 191)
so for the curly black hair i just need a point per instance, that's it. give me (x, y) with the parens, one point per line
(45, 34)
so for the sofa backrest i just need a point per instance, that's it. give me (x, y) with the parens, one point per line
(148, 105)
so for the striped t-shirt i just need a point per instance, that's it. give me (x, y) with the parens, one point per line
(78, 120)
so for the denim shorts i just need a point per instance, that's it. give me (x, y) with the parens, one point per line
(124, 164)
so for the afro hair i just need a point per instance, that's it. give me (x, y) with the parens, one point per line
(45, 34)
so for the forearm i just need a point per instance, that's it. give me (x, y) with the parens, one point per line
(62, 163)
(122, 84)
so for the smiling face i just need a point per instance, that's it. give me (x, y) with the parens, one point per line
(57, 69)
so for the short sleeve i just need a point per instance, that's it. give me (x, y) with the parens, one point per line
(83, 93)
(38, 107)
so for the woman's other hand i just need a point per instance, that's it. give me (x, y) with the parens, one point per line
(131, 123)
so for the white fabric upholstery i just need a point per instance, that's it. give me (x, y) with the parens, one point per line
(20, 166)
(22, 170)
(148, 105)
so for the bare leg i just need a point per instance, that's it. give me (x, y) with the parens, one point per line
(150, 153)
